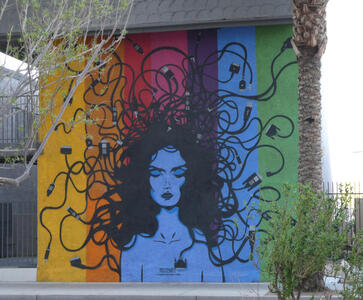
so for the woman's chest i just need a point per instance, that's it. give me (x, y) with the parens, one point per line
(167, 258)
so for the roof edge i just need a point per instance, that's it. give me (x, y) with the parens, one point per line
(208, 25)
(163, 27)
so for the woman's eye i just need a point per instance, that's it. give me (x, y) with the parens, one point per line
(179, 173)
(154, 173)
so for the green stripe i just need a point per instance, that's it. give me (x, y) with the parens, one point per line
(269, 40)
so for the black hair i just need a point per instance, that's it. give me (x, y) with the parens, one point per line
(136, 212)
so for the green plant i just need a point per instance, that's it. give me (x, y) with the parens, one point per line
(13, 159)
(353, 271)
(305, 232)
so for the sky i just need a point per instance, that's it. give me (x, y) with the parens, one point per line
(342, 68)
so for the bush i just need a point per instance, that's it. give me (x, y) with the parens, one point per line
(306, 231)
(353, 271)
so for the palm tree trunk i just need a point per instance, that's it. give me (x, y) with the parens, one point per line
(310, 153)
(309, 42)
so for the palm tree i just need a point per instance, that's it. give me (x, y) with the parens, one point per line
(309, 42)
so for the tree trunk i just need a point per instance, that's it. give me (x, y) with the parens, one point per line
(309, 42)
(310, 153)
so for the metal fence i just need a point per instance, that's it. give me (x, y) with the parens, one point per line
(15, 121)
(18, 222)
(355, 209)
(18, 205)
(18, 242)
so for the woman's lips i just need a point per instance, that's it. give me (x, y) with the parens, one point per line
(167, 195)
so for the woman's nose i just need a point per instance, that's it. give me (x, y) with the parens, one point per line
(167, 181)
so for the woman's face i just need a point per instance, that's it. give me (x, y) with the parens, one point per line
(167, 176)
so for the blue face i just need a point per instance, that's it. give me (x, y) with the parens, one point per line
(167, 176)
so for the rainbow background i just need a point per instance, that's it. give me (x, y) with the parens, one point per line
(262, 43)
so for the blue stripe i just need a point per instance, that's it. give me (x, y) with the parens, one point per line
(237, 271)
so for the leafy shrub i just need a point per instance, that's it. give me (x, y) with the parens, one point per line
(353, 271)
(306, 231)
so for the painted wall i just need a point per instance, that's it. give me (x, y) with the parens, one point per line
(191, 135)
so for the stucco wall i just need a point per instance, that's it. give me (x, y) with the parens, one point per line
(191, 134)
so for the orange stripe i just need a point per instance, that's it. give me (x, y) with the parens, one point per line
(94, 252)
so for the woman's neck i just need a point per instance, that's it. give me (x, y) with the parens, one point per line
(168, 216)
(172, 232)
(169, 222)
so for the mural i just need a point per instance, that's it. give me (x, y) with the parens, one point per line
(190, 136)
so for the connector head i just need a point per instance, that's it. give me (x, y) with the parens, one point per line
(138, 48)
(168, 73)
(234, 68)
(89, 143)
(75, 261)
(187, 104)
(180, 264)
(72, 212)
(114, 115)
(272, 131)
(95, 82)
(286, 45)
(247, 112)
(104, 147)
(50, 189)
(66, 150)
(239, 161)
(252, 181)
(266, 216)
(46, 255)
(70, 100)
(242, 85)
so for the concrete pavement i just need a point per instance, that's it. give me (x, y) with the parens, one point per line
(136, 291)
(20, 284)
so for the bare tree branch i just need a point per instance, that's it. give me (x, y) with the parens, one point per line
(54, 36)
(2, 10)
